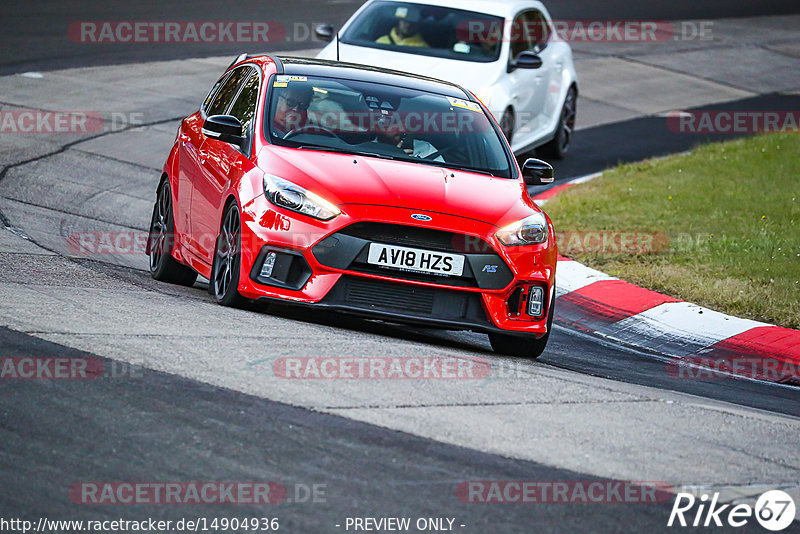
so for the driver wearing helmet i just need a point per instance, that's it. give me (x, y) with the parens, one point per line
(405, 32)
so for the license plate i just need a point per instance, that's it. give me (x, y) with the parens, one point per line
(417, 260)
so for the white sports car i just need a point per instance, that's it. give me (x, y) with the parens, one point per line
(505, 51)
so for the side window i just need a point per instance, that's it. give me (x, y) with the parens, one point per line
(529, 33)
(539, 30)
(520, 41)
(244, 108)
(227, 92)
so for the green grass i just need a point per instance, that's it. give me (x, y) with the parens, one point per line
(731, 212)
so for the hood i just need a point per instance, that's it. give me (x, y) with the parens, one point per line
(471, 75)
(347, 179)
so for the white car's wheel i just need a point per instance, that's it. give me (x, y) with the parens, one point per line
(559, 146)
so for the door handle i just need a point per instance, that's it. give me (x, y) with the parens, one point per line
(203, 156)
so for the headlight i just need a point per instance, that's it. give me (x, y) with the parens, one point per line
(285, 194)
(531, 230)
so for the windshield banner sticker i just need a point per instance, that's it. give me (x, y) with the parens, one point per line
(465, 104)
(283, 81)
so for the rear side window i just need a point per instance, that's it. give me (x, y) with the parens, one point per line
(244, 108)
(228, 92)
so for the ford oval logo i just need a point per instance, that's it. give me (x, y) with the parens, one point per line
(421, 217)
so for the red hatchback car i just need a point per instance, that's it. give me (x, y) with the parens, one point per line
(357, 189)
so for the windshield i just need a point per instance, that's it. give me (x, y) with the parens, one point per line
(427, 30)
(339, 115)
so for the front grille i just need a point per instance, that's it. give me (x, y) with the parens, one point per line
(375, 294)
(454, 281)
(356, 293)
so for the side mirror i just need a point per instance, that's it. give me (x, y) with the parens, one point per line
(525, 60)
(325, 32)
(225, 128)
(537, 172)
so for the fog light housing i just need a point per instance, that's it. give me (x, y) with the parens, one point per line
(268, 265)
(536, 301)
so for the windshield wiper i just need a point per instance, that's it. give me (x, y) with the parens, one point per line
(344, 151)
(468, 169)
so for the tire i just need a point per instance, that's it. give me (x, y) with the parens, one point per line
(163, 267)
(507, 124)
(224, 283)
(523, 346)
(559, 146)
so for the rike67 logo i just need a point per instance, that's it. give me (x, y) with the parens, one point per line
(774, 510)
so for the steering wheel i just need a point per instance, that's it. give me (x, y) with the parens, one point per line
(308, 127)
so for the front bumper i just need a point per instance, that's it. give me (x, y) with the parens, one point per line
(321, 264)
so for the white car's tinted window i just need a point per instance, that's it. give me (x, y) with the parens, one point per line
(387, 121)
(529, 32)
(427, 30)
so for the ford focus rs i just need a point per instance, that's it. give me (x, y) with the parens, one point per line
(349, 188)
